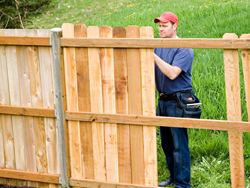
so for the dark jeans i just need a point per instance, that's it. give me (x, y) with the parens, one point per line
(175, 142)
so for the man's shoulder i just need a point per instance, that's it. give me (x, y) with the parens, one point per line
(188, 51)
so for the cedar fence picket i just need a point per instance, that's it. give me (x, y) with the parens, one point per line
(77, 106)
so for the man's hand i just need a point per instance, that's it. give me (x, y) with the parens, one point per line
(170, 71)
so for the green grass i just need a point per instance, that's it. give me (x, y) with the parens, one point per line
(197, 19)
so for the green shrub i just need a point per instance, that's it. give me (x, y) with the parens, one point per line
(13, 13)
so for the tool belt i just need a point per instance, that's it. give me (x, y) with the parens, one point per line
(182, 101)
(169, 97)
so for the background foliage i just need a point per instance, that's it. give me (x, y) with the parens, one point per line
(13, 13)
(197, 19)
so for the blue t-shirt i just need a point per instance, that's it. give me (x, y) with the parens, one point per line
(179, 57)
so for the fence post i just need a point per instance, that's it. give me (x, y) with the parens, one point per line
(232, 82)
(56, 34)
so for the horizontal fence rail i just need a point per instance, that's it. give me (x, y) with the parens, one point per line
(103, 184)
(24, 41)
(157, 43)
(27, 111)
(159, 121)
(30, 176)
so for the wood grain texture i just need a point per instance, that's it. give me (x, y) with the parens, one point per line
(52, 155)
(24, 40)
(82, 69)
(72, 103)
(135, 108)
(232, 81)
(31, 176)
(36, 101)
(245, 54)
(7, 153)
(15, 100)
(25, 99)
(27, 111)
(96, 106)
(121, 89)
(159, 121)
(109, 106)
(104, 184)
(148, 109)
(158, 43)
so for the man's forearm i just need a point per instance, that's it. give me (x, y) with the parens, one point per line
(170, 71)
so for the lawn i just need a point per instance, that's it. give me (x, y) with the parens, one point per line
(197, 19)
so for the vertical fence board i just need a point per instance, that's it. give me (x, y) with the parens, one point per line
(51, 137)
(135, 108)
(14, 94)
(84, 103)
(148, 107)
(7, 138)
(2, 88)
(121, 88)
(72, 104)
(25, 99)
(32, 68)
(96, 106)
(232, 81)
(43, 124)
(2, 157)
(109, 106)
(246, 70)
(36, 99)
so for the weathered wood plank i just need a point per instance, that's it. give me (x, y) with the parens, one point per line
(159, 43)
(72, 103)
(121, 89)
(148, 108)
(96, 106)
(59, 84)
(159, 121)
(232, 81)
(135, 108)
(109, 106)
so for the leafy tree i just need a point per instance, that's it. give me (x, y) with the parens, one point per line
(13, 13)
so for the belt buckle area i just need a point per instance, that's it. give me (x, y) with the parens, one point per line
(162, 94)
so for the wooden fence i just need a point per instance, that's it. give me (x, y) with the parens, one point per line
(78, 108)
(27, 143)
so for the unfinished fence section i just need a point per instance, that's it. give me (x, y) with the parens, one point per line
(230, 43)
(113, 81)
(28, 131)
(95, 107)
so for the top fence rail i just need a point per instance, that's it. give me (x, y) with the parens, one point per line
(212, 43)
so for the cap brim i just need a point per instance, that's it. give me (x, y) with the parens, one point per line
(156, 20)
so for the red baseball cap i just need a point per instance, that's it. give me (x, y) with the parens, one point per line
(166, 17)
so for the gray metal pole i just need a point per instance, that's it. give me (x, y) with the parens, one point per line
(56, 34)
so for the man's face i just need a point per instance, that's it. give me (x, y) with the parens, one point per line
(167, 30)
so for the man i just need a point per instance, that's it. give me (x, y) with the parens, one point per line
(174, 83)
